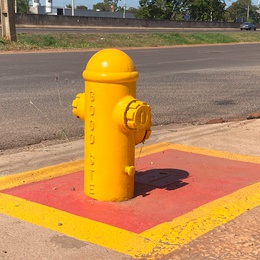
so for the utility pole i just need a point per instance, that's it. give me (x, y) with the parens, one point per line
(124, 11)
(247, 15)
(72, 8)
(8, 20)
(15, 6)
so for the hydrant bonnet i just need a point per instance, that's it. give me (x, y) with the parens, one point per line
(103, 67)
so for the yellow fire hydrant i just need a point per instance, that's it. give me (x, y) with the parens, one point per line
(115, 121)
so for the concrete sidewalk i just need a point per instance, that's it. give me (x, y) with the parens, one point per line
(241, 137)
(22, 240)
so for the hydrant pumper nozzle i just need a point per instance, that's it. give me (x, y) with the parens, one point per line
(78, 105)
(115, 121)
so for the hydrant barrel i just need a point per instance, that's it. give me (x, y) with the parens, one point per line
(112, 117)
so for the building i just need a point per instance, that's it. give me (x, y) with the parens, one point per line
(48, 9)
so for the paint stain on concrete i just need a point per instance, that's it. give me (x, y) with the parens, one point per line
(67, 242)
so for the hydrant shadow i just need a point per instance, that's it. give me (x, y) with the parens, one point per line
(168, 179)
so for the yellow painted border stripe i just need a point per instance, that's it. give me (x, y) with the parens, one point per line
(182, 230)
(158, 240)
(146, 150)
(42, 174)
(74, 226)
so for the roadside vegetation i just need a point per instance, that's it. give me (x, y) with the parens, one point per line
(69, 41)
(192, 10)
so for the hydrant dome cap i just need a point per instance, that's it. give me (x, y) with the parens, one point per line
(110, 65)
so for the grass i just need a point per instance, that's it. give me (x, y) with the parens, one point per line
(69, 41)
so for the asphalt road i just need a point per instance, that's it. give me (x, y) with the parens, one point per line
(182, 85)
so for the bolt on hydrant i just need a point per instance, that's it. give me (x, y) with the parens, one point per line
(115, 121)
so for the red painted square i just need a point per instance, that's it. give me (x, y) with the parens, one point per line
(168, 184)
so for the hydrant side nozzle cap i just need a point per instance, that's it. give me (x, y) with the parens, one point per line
(138, 115)
(78, 106)
(110, 65)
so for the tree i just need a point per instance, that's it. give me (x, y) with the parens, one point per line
(180, 8)
(254, 14)
(201, 10)
(22, 6)
(207, 10)
(102, 7)
(106, 5)
(218, 10)
(132, 10)
(81, 7)
(157, 9)
(238, 9)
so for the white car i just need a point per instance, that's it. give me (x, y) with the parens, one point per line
(247, 26)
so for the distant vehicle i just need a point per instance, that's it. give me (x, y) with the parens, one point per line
(247, 26)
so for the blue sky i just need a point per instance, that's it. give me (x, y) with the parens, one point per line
(90, 3)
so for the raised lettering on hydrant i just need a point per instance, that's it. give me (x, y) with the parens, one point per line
(115, 121)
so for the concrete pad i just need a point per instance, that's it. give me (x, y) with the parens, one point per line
(27, 233)
(21, 240)
(174, 187)
(241, 137)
